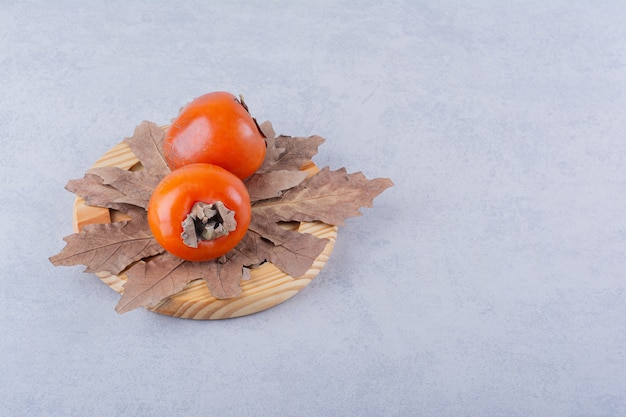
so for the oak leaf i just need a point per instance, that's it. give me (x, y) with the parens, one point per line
(287, 152)
(95, 192)
(272, 152)
(328, 196)
(109, 247)
(291, 251)
(272, 184)
(164, 275)
(298, 151)
(147, 145)
(135, 188)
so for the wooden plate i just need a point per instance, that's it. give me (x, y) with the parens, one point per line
(267, 286)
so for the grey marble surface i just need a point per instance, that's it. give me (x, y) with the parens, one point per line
(490, 281)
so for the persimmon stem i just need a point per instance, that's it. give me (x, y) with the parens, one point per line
(207, 222)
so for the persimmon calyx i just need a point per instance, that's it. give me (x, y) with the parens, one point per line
(207, 222)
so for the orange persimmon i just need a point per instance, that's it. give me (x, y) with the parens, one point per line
(216, 128)
(199, 212)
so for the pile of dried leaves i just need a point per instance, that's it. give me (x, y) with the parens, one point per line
(280, 192)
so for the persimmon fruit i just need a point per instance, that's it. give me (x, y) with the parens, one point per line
(199, 212)
(215, 128)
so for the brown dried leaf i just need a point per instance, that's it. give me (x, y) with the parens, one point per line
(293, 253)
(223, 279)
(164, 275)
(150, 282)
(272, 152)
(109, 247)
(271, 184)
(147, 144)
(287, 152)
(245, 253)
(113, 187)
(95, 192)
(135, 188)
(272, 231)
(268, 130)
(328, 196)
(298, 151)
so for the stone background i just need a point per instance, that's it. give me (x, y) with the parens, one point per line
(490, 281)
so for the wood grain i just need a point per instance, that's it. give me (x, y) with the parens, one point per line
(267, 286)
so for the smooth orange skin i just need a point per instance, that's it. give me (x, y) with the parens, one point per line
(176, 194)
(215, 129)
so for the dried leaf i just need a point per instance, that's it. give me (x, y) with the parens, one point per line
(112, 187)
(109, 247)
(289, 153)
(223, 279)
(135, 188)
(268, 130)
(147, 144)
(272, 152)
(293, 254)
(164, 275)
(271, 184)
(150, 282)
(298, 151)
(95, 192)
(245, 253)
(328, 196)
(276, 233)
